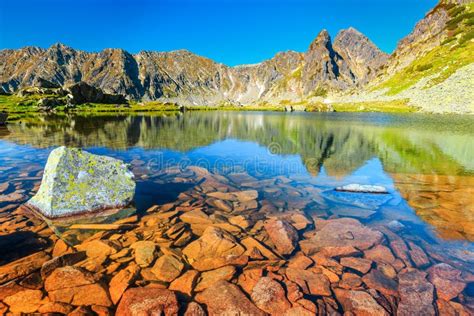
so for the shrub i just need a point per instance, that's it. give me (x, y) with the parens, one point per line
(424, 67)
(319, 92)
(466, 37)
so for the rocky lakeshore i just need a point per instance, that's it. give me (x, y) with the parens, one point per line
(229, 245)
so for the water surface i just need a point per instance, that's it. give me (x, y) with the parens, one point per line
(425, 161)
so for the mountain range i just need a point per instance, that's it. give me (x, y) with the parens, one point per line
(349, 68)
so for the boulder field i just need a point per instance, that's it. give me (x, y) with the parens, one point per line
(224, 248)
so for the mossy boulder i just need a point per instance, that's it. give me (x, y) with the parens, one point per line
(77, 182)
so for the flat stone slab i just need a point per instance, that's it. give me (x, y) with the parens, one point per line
(77, 182)
(369, 201)
(362, 188)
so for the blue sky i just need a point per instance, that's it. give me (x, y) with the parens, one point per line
(229, 31)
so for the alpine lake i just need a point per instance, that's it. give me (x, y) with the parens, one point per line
(237, 202)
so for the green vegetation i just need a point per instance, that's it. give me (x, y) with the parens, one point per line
(395, 106)
(297, 73)
(319, 92)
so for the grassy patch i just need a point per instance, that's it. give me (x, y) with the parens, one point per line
(395, 106)
(442, 62)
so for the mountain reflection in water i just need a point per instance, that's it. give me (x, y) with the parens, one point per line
(428, 159)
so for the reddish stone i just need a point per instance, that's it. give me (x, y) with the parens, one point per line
(74, 286)
(379, 253)
(248, 278)
(377, 280)
(311, 282)
(225, 298)
(418, 256)
(185, 283)
(167, 268)
(350, 281)
(293, 291)
(359, 303)
(447, 281)
(358, 264)
(208, 278)
(298, 311)
(283, 235)
(216, 248)
(300, 262)
(27, 301)
(121, 281)
(148, 301)
(343, 232)
(416, 294)
(269, 296)
(194, 309)
(23, 266)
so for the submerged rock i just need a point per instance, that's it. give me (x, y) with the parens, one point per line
(362, 188)
(365, 200)
(77, 182)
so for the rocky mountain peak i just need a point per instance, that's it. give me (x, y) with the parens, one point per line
(322, 40)
(363, 57)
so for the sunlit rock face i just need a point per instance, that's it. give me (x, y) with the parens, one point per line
(77, 182)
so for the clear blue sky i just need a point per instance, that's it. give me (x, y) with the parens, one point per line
(229, 31)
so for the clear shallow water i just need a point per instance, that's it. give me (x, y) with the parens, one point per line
(425, 161)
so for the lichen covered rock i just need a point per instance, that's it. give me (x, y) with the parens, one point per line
(76, 182)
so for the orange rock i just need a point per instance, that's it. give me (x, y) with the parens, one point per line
(144, 252)
(379, 253)
(300, 262)
(74, 286)
(194, 309)
(248, 278)
(98, 248)
(341, 233)
(311, 282)
(209, 278)
(27, 301)
(120, 282)
(377, 280)
(23, 266)
(60, 248)
(358, 264)
(55, 307)
(359, 303)
(447, 281)
(283, 235)
(214, 249)
(416, 294)
(167, 268)
(269, 296)
(148, 301)
(225, 298)
(185, 283)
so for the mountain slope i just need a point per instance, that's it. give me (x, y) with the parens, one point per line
(184, 77)
(431, 68)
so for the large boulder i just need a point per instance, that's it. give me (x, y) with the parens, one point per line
(43, 83)
(77, 182)
(82, 92)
